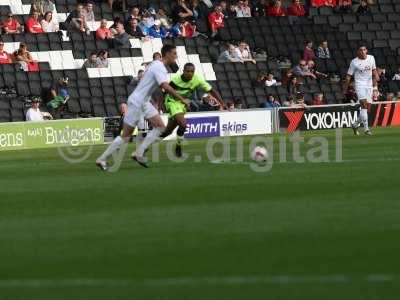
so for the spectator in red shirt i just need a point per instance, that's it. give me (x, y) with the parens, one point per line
(296, 9)
(33, 25)
(318, 99)
(103, 32)
(5, 58)
(216, 20)
(318, 3)
(344, 6)
(276, 10)
(11, 25)
(308, 53)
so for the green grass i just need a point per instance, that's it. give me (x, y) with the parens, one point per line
(203, 230)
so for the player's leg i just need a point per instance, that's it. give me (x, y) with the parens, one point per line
(364, 116)
(170, 128)
(152, 116)
(181, 121)
(130, 120)
(364, 96)
(115, 146)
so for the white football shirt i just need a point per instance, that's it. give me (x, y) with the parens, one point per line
(153, 77)
(362, 71)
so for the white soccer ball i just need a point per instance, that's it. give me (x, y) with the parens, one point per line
(259, 155)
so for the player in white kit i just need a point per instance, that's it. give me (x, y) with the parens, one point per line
(139, 106)
(366, 78)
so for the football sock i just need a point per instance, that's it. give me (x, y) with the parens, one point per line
(151, 137)
(114, 146)
(179, 135)
(364, 118)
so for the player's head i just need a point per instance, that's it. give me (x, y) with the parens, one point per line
(188, 72)
(362, 52)
(169, 55)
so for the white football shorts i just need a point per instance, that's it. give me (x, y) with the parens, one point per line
(364, 93)
(136, 114)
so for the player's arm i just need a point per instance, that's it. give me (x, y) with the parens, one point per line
(168, 89)
(375, 78)
(205, 86)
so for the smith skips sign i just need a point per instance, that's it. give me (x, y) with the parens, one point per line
(31, 135)
(342, 116)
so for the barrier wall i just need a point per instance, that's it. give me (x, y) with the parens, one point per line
(336, 116)
(47, 134)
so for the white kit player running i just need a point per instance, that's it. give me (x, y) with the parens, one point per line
(139, 106)
(366, 78)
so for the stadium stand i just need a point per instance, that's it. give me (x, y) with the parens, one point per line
(98, 91)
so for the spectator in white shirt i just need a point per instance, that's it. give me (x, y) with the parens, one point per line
(48, 24)
(271, 81)
(243, 9)
(34, 114)
(88, 12)
(244, 53)
(397, 75)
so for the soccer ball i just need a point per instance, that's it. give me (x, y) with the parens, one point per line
(259, 155)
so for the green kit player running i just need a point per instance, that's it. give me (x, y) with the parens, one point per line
(185, 85)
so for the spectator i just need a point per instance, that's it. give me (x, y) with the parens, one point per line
(260, 80)
(396, 76)
(11, 25)
(318, 99)
(302, 70)
(383, 80)
(5, 57)
(48, 25)
(34, 114)
(33, 25)
(243, 9)
(88, 12)
(312, 70)
(157, 31)
(259, 8)
(323, 50)
(364, 8)
(134, 30)
(135, 14)
(390, 97)
(162, 16)
(121, 38)
(76, 20)
(351, 95)
(146, 23)
(229, 55)
(287, 76)
(197, 9)
(244, 53)
(216, 20)
(103, 33)
(102, 58)
(331, 3)
(299, 100)
(293, 86)
(57, 94)
(308, 53)
(181, 11)
(276, 9)
(184, 29)
(113, 27)
(271, 102)
(344, 6)
(231, 12)
(42, 6)
(92, 61)
(117, 4)
(296, 9)
(319, 3)
(24, 59)
(230, 106)
(271, 81)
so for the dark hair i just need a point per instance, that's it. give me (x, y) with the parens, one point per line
(188, 65)
(166, 49)
(93, 53)
(102, 52)
(156, 54)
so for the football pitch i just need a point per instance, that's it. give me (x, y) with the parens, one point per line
(205, 228)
